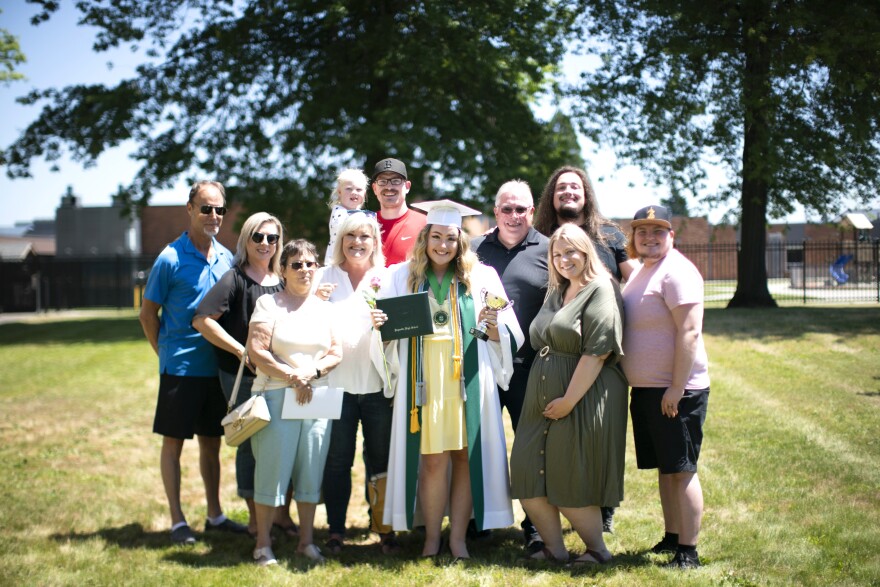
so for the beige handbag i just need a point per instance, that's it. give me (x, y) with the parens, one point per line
(248, 418)
(376, 491)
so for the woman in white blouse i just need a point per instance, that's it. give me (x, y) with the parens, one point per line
(355, 273)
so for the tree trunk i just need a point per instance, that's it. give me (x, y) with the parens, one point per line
(751, 274)
(758, 107)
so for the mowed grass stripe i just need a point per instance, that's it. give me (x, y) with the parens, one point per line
(811, 419)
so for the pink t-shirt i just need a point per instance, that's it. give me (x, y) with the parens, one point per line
(649, 296)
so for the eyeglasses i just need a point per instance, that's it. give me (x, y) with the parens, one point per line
(220, 210)
(509, 210)
(297, 265)
(259, 237)
(383, 182)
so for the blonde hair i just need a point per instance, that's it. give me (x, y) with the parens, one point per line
(355, 176)
(577, 238)
(358, 221)
(252, 225)
(464, 262)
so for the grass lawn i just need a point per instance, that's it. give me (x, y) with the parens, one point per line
(790, 471)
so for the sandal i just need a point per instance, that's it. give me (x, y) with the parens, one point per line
(390, 545)
(333, 546)
(290, 531)
(596, 558)
(545, 554)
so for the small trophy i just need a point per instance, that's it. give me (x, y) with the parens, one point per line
(492, 302)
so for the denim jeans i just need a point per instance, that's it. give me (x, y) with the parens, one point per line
(373, 411)
(244, 456)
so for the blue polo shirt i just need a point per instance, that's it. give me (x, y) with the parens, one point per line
(523, 272)
(180, 278)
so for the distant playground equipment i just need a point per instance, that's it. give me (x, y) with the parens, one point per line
(837, 269)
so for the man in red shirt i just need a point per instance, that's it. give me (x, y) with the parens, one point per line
(400, 225)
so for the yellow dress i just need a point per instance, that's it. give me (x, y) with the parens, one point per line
(443, 423)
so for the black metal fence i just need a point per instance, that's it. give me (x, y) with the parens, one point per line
(54, 283)
(798, 273)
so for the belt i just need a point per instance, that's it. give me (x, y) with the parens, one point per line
(548, 351)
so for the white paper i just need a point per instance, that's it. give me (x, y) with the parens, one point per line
(326, 404)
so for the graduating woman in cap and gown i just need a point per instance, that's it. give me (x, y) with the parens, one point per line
(447, 417)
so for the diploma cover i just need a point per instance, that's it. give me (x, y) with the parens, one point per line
(408, 315)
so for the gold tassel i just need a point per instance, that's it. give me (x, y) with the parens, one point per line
(456, 330)
(414, 420)
(414, 412)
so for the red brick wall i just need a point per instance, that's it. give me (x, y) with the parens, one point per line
(161, 225)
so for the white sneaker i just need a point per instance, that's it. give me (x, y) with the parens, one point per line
(264, 557)
(311, 551)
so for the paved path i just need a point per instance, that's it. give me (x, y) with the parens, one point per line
(54, 315)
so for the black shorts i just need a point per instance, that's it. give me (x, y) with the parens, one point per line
(671, 445)
(188, 406)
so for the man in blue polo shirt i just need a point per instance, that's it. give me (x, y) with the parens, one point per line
(518, 253)
(190, 401)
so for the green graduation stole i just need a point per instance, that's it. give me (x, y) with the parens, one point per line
(463, 317)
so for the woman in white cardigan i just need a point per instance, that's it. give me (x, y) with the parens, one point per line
(356, 268)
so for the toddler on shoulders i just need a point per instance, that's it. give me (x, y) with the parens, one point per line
(349, 194)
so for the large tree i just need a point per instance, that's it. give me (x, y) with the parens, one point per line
(784, 94)
(275, 97)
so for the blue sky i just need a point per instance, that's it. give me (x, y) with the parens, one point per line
(59, 53)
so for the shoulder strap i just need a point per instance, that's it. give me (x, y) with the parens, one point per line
(237, 383)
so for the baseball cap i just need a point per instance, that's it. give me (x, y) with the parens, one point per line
(393, 165)
(653, 214)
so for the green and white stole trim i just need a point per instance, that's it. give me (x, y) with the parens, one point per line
(463, 309)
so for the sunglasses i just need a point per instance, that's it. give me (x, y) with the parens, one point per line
(297, 265)
(220, 210)
(258, 238)
(509, 210)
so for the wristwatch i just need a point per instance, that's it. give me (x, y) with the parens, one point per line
(318, 373)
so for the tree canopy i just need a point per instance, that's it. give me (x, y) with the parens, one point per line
(784, 94)
(10, 57)
(274, 98)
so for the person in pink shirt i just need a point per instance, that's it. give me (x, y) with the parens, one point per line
(665, 362)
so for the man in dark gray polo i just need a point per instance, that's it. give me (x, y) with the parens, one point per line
(518, 253)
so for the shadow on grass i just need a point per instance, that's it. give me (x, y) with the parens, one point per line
(791, 322)
(212, 550)
(72, 331)
(503, 550)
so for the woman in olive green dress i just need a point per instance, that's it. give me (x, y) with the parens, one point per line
(568, 453)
